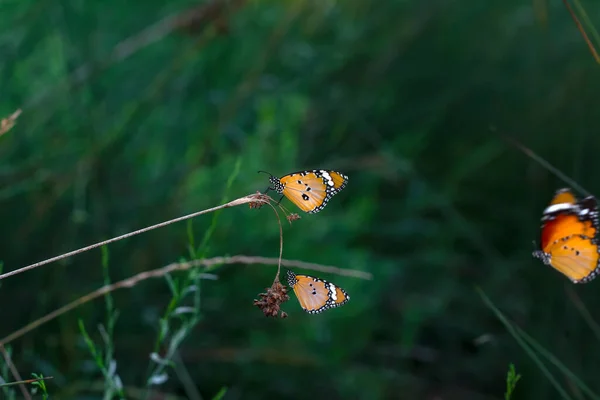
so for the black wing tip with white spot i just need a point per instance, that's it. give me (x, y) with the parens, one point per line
(588, 210)
(330, 191)
(585, 209)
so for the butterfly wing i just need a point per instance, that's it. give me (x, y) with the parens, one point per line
(566, 216)
(568, 238)
(575, 256)
(563, 196)
(565, 225)
(339, 180)
(311, 190)
(316, 295)
(341, 297)
(565, 202)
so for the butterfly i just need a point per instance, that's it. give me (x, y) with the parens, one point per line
(316, 295)
(568, 239)
(309, 190)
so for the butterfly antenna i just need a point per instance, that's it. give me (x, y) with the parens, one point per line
(269, 188)
(265, 172)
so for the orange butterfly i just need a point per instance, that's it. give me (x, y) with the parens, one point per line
(309, 190)
(568, 242)
(316, 295)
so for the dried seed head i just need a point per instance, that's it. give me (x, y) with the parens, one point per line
(7, 123)
(271, 301)
(292, 217)
(261, 199)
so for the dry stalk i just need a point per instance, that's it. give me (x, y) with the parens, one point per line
(160, 272)
(582, 31)
(242, 200)
(15, 373)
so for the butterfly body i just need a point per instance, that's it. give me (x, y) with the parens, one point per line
(309, 190)
(316, 295)
(568, 239)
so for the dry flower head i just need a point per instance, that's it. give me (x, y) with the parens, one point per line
(270, 302)
(7, 123)
(292, 217)
(261, 200)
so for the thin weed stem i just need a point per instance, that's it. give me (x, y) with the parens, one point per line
(582, 31)
(517, 334)
(14, 372)
(531, 154)
(280, 242)
(583, 310)
(242, 200)
(160, 272)
(26, 381)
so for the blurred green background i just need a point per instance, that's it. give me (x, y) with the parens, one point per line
(138, 112)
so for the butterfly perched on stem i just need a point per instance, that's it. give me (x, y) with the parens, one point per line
(568, 240)
(316, 295)
(309, 190)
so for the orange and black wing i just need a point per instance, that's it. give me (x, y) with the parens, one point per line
(575, 256)
(566, 216)
(563, 196)
(316, 295)
(310, 190)
(568, 237)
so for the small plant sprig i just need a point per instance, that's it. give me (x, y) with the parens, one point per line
(39, 384)
(511, 381)
(180, 317)
(106, 362)
(113, 382)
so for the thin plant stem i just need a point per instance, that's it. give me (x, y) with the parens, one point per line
(26, 381)
(582, 31)
(160, 272)
(280, 242)
(242, 200)
(515, 332)
(587, 20)
(583, 310)
(14, 372)
(531, 154)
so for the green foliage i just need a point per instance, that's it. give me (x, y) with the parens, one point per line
(511, 381)
(126, 124)
(113, 385)
(39, 386)
(220, 394)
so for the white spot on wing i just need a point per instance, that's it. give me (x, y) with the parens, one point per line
(327, 177)
(332, 292)
(559, 207)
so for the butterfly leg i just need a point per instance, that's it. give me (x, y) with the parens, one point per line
(269, 188)
(281, 198)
